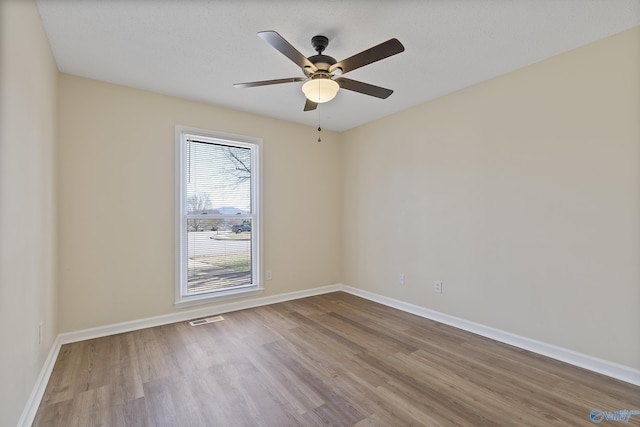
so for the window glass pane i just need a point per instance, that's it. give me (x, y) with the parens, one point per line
(218, 179)
(218, 254)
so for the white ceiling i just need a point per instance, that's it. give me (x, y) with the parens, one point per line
(197, 49)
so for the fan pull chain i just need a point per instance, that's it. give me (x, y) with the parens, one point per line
(319, 128)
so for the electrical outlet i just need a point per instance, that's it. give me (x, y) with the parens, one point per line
(402, 278)
(437, 286)
(268, 274)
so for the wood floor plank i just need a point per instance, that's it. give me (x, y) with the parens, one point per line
(332, 359)
(334, 401)
(131, 413)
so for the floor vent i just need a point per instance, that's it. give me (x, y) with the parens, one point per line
(207, 320)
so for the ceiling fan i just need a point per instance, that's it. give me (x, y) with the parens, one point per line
(320, 85)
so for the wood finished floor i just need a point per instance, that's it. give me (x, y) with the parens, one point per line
(333, 359)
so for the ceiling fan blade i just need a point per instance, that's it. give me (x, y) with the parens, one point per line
(383, 50)
(310, 105)
(284, 47)
(270, 82)
(365, 88)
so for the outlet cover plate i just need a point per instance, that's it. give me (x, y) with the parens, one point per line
(437, 286)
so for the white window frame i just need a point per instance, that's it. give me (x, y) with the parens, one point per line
(182, 134)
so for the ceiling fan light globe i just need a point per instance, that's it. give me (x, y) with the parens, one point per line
(320, 90)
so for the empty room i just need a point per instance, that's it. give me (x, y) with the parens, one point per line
(299, 213)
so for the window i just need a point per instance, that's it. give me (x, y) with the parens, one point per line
(218, 220)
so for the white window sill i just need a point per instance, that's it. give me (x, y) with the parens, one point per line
(212, 297)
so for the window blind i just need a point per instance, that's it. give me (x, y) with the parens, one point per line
(219, 216)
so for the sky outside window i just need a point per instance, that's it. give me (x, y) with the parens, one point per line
(219, 175)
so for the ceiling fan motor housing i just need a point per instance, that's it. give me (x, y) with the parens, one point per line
(322, 62)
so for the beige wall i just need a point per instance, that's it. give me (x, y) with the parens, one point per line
(116, 200)
(522, 194)
(28, 82)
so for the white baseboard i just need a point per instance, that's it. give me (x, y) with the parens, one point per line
(581, 360)
(31, 408)
(591, 363)
(181, 316)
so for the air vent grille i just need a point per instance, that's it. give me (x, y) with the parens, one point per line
(199, 322)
